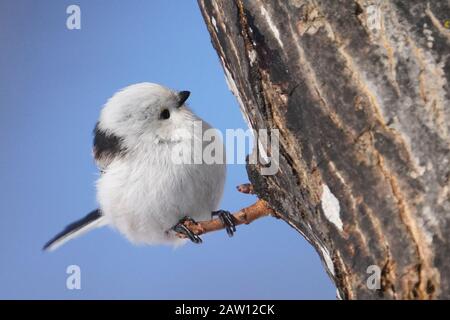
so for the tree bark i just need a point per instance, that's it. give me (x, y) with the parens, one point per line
(359, 91)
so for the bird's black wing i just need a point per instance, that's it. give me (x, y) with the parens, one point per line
(107, 147)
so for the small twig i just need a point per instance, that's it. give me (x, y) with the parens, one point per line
(244, 216)
(246, 188)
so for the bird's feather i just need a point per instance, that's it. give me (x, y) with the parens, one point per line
(107, 147)
(93, 220)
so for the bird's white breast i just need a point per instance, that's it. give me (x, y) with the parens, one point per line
(144, 194)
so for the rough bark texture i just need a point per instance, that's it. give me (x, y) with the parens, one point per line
(359, 91)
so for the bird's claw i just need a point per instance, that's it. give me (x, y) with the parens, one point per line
(227, 219)
(180, 227)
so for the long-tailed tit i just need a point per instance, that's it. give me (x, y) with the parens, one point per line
(142, 191)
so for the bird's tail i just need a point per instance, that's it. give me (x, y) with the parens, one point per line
(93, 220)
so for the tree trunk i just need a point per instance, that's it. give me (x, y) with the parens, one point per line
(359, 91)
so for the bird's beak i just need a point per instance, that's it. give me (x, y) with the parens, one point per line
(182, 97)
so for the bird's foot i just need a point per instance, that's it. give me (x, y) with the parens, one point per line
(181, 228)
(227, 219)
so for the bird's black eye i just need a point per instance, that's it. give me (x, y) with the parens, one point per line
(165, 114)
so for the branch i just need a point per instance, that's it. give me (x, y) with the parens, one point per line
(244, 216)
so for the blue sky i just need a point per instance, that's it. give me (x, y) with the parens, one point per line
(52, 86)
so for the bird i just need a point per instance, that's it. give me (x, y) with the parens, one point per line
(141, 191)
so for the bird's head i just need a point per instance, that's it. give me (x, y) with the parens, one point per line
(146, 111)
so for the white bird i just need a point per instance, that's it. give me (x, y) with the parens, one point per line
(141, 191)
